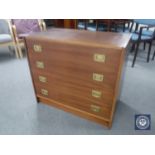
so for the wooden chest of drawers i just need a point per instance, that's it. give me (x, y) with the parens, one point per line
(78, 71)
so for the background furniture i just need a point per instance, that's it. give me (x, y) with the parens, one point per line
(143, 34)
(122, 25)
(24, 27)
(150, 22)
(105, 24)
(115, 25)
(87, 24)
(68, 23)
(7, 36)
(91, 24)
(64, 23)
(81, 24)
(78, 71)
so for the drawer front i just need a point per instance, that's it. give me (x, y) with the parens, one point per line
(86, 79)
(79, 57)
(90, 93)
(80, 77)
(85, 65)
(68, 97)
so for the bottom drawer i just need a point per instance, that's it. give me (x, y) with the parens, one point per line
(75, 111)
(74, 101)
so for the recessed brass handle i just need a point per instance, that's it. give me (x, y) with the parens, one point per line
(37, 48)
(96, 93)
(42, 79)
(40, 64)
(95, 108)
(99, 57)
(98, 77)
(44, 92)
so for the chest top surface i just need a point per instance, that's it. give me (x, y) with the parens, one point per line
(82, 37)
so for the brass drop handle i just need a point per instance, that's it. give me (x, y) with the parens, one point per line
(37, 48)
(95, 108)
(44, 92)
(42, 79)
(40, 64)
(99, 57)
(98, 77)
(96, 93)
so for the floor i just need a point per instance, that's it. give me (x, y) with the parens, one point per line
(20, 114)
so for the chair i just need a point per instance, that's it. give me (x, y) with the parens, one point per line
(91, 25)
(122, 25)
(112, 24)
(103, 24)
(138, 37)
(149, 33)
(82, 24)
(86, 24)
(24, 27)
(6, 35)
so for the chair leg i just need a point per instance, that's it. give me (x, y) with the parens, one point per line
(135, 56)
(16, 50)
(148, 55)
(133, 47)
(153, 56)
(115, 27)
(144, 46)
(85, 24)
(123, 27)
(97, 25)
(128, 25)
(20, 50)
(17, 53)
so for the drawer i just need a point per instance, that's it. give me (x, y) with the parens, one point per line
(77, 57)
(85, 79)
(87, 93)
(73, 100)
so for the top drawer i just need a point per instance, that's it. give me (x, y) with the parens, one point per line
(104, 59)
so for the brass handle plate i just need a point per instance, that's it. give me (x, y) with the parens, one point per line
(99, 57)
(40, 64)
(37, 48)
(44, 92)
(95, 108)
(98, 77)
(96, 93)
(42, 79)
